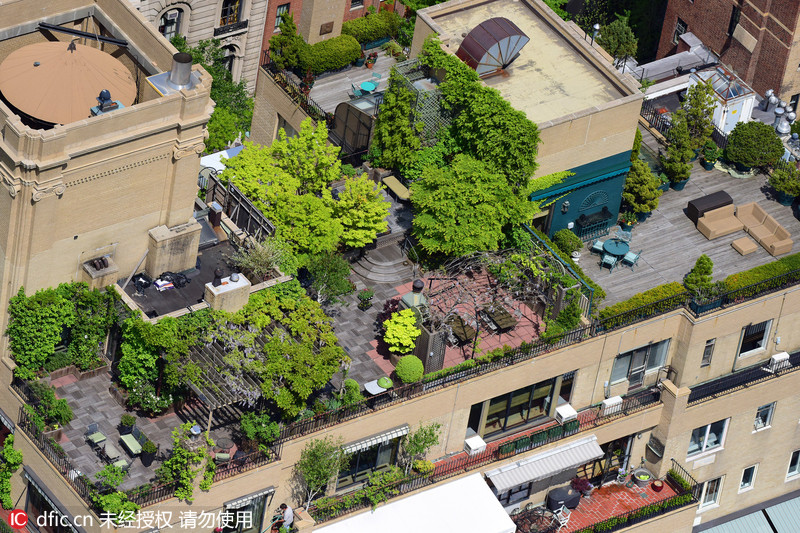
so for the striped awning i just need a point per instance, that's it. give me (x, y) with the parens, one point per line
(381, 438)
(238, 503)
(543, 465)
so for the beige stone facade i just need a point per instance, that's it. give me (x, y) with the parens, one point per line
(240, 27)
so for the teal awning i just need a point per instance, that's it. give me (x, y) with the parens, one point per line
(587, 174)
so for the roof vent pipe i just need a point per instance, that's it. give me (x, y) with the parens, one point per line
(783, 127)
(778, 117)
(771, 103)
(180, 76)
(765, 102)
(791, 117)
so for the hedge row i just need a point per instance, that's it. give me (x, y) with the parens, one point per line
(643, 298)
(760, 273)
(497, 353)
(372, 27)
(331, 54)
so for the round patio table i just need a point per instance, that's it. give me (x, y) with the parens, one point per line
(224, 445)
(368, 86)
(616, 247)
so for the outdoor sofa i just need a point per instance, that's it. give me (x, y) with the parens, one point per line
(719, 222)
(764, 229)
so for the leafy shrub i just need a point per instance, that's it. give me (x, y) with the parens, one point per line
(753, 144)
(423, 466)
(699, 278)
(598, 293)
(567, 241)
(568, 319)
(400, 331)
(331, 54)
(59, 359)
(410, 369)
(149, 447)
(259, 427)
(786, 180)
(373, 26)
(127, 420)
(763, 272)
(50, 409)
(351, 392)
(643, 298)
(143, 395)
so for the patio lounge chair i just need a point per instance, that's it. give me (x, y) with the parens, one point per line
(631, 258)
(610, 261)
(597, 246)
(133, 441)
(94, 436)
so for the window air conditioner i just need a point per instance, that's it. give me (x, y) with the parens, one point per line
(779, 361)
(172, 15)
(474, 445)
(565, 413)
(611, 406)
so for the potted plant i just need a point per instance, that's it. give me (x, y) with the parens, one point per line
(361, 59)
(641, 190)
(371, 59)
(308, 80)
(786, 181)
(663, 182)
(148, 452)
(626, 220)
(126, 423)
(710, 155)
(753, 144)
(676, 163)
(642, 477)
(365, 299)
(657, 485)
(582, 485)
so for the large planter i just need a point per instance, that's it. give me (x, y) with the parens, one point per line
(641, 217)
(742, 168)
(147, 458)
(642, 477)
(708, 165)
(785, 199)
(679, 185)
(360, 61)
(664, 187)
(125, 430)
(54, 434)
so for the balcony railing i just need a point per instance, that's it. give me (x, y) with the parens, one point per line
(588, 419)
(229, 28)
(293, 90)
(742, 379)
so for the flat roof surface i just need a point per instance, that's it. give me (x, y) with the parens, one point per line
(550, 78)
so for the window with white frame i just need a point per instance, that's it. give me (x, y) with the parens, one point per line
(748, 478)
(794, 464)
(706, 438)
(708, 352)
(754, 338)
(710, 494)
(764, 416)
(635, 364)
(283, 9)
(170, 24)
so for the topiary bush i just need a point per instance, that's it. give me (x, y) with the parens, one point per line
(409, 369)
(373, 26)
(567, 241)
(331, 54)
(699, 278)
(782, 266)
(753, 144)
(351, 392)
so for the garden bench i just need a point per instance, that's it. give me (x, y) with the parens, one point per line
(133, 441)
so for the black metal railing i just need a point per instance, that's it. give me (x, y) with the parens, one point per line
(719, 137)
(236, 466)
(700, 307)
(656, 119)
(743, 379)
(239, 208)
(229, 28)
(644, 312)
(148, 494)
(528, 440)
(294, 91)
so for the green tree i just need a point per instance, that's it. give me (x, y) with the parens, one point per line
(679, 152)
(618, 39)
(637, 145)
(140, 352)
(699, 278)
(699, 111)
(401, 332)
(465, 207)
(754, 144)
(308, 157)
(362, 210)
(286, 46)
(330, 272)
(229, 96)
(10, 461)
(181, 466)
(417, 443)
(320, 461)
(262, 257)
(641, 188)
(260, 427)
(395, 135)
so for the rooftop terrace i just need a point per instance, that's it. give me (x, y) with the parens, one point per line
(551, 77)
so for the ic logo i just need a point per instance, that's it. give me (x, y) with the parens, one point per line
(17, 519)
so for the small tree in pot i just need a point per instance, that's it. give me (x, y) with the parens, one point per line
(641, 188)
(753, 144)
(699, 109)
(786, 181)
(676, 163)
(710, 155)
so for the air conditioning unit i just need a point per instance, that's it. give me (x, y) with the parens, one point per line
(611, 406)
(779, 361)
(474, 445)
(172, 15)
(565, 413)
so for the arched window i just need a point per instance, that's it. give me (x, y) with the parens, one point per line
(230, 56)
(231, 12)
(170, 24)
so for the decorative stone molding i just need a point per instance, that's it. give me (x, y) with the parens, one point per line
(11, 184)
(116, 170)
(179, 152)
(40, 193)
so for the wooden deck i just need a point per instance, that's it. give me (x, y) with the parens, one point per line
(329, 91)
(671, 244)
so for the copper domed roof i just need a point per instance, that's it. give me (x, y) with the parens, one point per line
(59, 82)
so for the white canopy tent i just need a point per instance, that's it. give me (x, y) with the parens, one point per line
(466, 505)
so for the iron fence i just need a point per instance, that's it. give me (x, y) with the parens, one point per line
(656, 118)
(236, 466)
(719, 137)
(239, 208)
(148, 494)
(644, 312)
(706, 305)
(295, 91)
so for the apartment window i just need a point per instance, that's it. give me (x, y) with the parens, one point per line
(283, 9)
(754, 338)
(764, 416)
(365, 462)
(793, 101)
(710, 494)
(231, 12)
(635, 364)
(229, 56)
(706, 438)
(708, 351)
(734, 19)
(515, 494)
(748, 478)
(356, 3)
(518, 408)
(794, 464)
(680, 28)
(248, 515)
(170, 24)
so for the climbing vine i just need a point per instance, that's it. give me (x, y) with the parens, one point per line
(10, 463)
